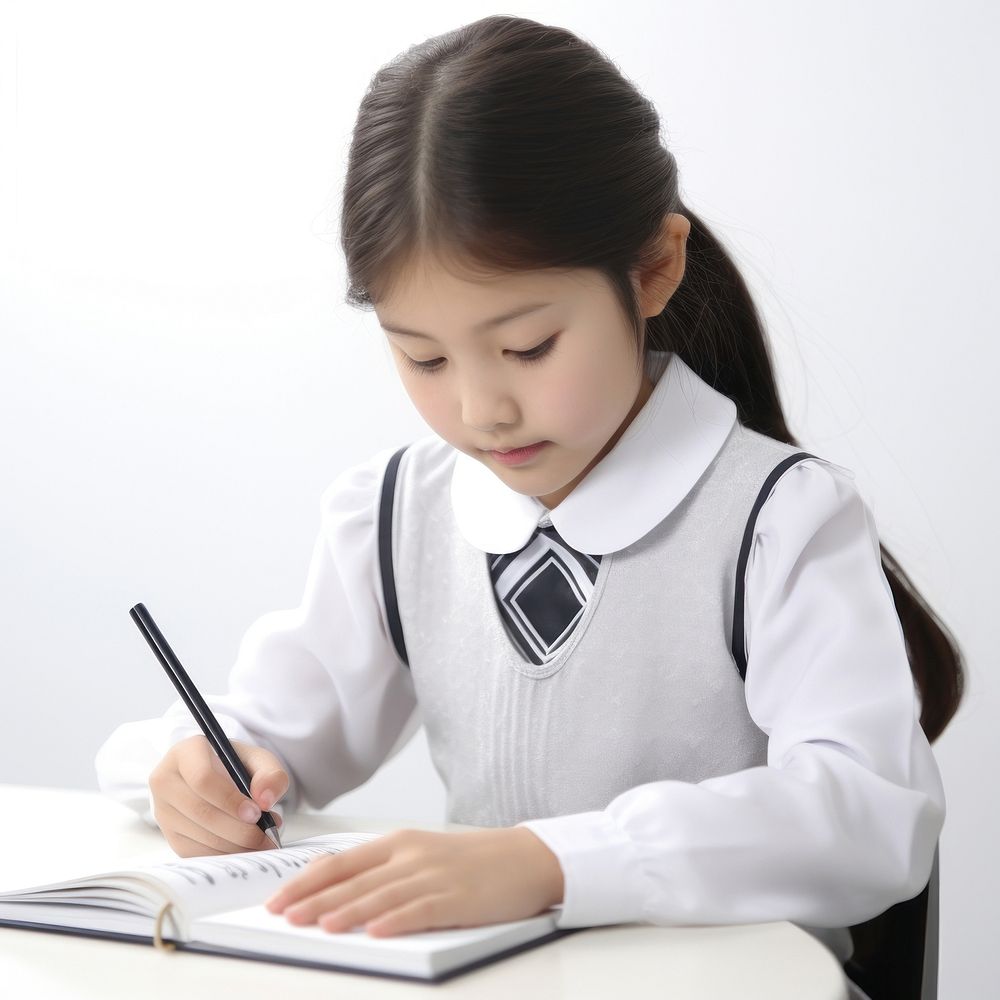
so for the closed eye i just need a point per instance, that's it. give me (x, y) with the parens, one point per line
(524, 357)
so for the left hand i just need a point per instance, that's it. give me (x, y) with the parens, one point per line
(415, 880)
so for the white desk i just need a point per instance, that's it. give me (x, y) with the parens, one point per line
(59, 834)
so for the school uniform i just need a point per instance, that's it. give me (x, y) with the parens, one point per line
(683, 771)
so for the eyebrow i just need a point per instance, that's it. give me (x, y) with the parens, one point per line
(486, 324)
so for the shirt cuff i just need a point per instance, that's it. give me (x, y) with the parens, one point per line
(602, 877)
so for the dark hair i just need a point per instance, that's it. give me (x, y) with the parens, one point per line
(507, 145)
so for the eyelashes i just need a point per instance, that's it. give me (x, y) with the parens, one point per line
(525, 357)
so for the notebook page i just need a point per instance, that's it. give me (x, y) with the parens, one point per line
(196, 886)
(229, 881)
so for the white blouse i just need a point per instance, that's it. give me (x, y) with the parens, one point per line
(840, 824)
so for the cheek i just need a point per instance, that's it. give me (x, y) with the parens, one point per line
(577, 407)
(432, 405)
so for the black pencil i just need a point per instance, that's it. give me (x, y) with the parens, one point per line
(201, 712)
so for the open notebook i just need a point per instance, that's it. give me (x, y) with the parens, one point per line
(215, 905)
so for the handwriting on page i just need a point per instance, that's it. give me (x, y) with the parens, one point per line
(253, 864)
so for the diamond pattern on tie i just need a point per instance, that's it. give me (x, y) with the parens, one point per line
(542, 591)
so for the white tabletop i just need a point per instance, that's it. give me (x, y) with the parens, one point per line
(61, 833)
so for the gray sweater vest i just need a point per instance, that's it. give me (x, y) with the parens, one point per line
(649, 686)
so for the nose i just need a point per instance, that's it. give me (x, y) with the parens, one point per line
(486, 402)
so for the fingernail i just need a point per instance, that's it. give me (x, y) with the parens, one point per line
(266, 800)
(249, 813)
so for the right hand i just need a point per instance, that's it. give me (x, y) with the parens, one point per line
(197, 804)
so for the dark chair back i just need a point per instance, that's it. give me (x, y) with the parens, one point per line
(896, 953)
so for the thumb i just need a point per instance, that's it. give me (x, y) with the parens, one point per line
(269, 780)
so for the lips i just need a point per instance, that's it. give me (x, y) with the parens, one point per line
(518, 456)
(516, 447)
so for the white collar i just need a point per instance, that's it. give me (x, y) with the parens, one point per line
(652, 467)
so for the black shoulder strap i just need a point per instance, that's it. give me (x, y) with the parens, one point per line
(385, 553)
(739, 635)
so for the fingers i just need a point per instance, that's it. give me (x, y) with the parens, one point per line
(325, 871)
(200, 809)
(307, 910)
(185, 847)
(410, 880)
(184, 815)
(194, 797)
(418, 914)
(269, 781)
(203, 772)
(338, 914)
(268, 787)
(373, 882)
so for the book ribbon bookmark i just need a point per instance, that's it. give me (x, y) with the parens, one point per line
(158, 941)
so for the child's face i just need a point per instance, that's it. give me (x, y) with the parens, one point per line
(578, 397)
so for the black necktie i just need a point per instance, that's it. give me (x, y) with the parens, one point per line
(542, 591)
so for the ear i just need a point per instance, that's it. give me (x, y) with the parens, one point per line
(656, 284)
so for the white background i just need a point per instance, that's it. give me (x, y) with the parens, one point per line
(180, 377)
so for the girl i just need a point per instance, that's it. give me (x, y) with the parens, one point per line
(662, 658)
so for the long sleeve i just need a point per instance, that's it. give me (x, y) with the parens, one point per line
(842, 821)
(320, 685)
